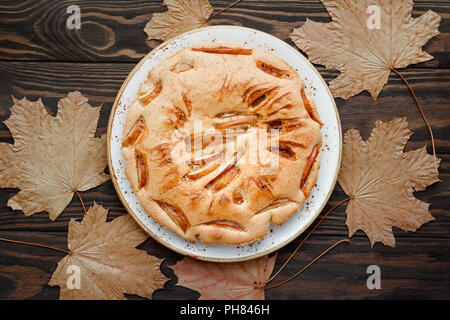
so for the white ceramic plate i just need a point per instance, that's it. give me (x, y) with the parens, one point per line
(330, 153)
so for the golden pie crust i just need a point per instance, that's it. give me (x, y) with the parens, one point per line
(220, 184)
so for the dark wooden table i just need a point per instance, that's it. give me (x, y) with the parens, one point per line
(40, 57)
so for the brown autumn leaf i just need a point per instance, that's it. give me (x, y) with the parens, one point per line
(52, 156)
(381, 178)
(182, 16)
(106, 257)
(225, 281)
(364, 55)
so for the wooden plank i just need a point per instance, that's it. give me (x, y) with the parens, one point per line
(36, 30)
(409, 271)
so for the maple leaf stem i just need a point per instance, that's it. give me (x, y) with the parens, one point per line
(308, 265)
(220, 11)
(34, 244)
(81, 200)
(423, 117)
(306, 238)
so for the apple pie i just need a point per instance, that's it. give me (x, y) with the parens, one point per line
(220, 142)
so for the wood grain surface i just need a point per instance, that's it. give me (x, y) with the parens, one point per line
(41, 58)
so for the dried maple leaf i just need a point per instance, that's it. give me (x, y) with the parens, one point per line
(52, 156)
(365, 56)
(381, 178)
(107, 259)
(182, 16)
(222, 281)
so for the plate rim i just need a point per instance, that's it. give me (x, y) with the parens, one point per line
(144, 227)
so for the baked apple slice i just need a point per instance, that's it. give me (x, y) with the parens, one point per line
(149, 97)
(135, 133)
(225, 50)
(141, 165)
(312, 157)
